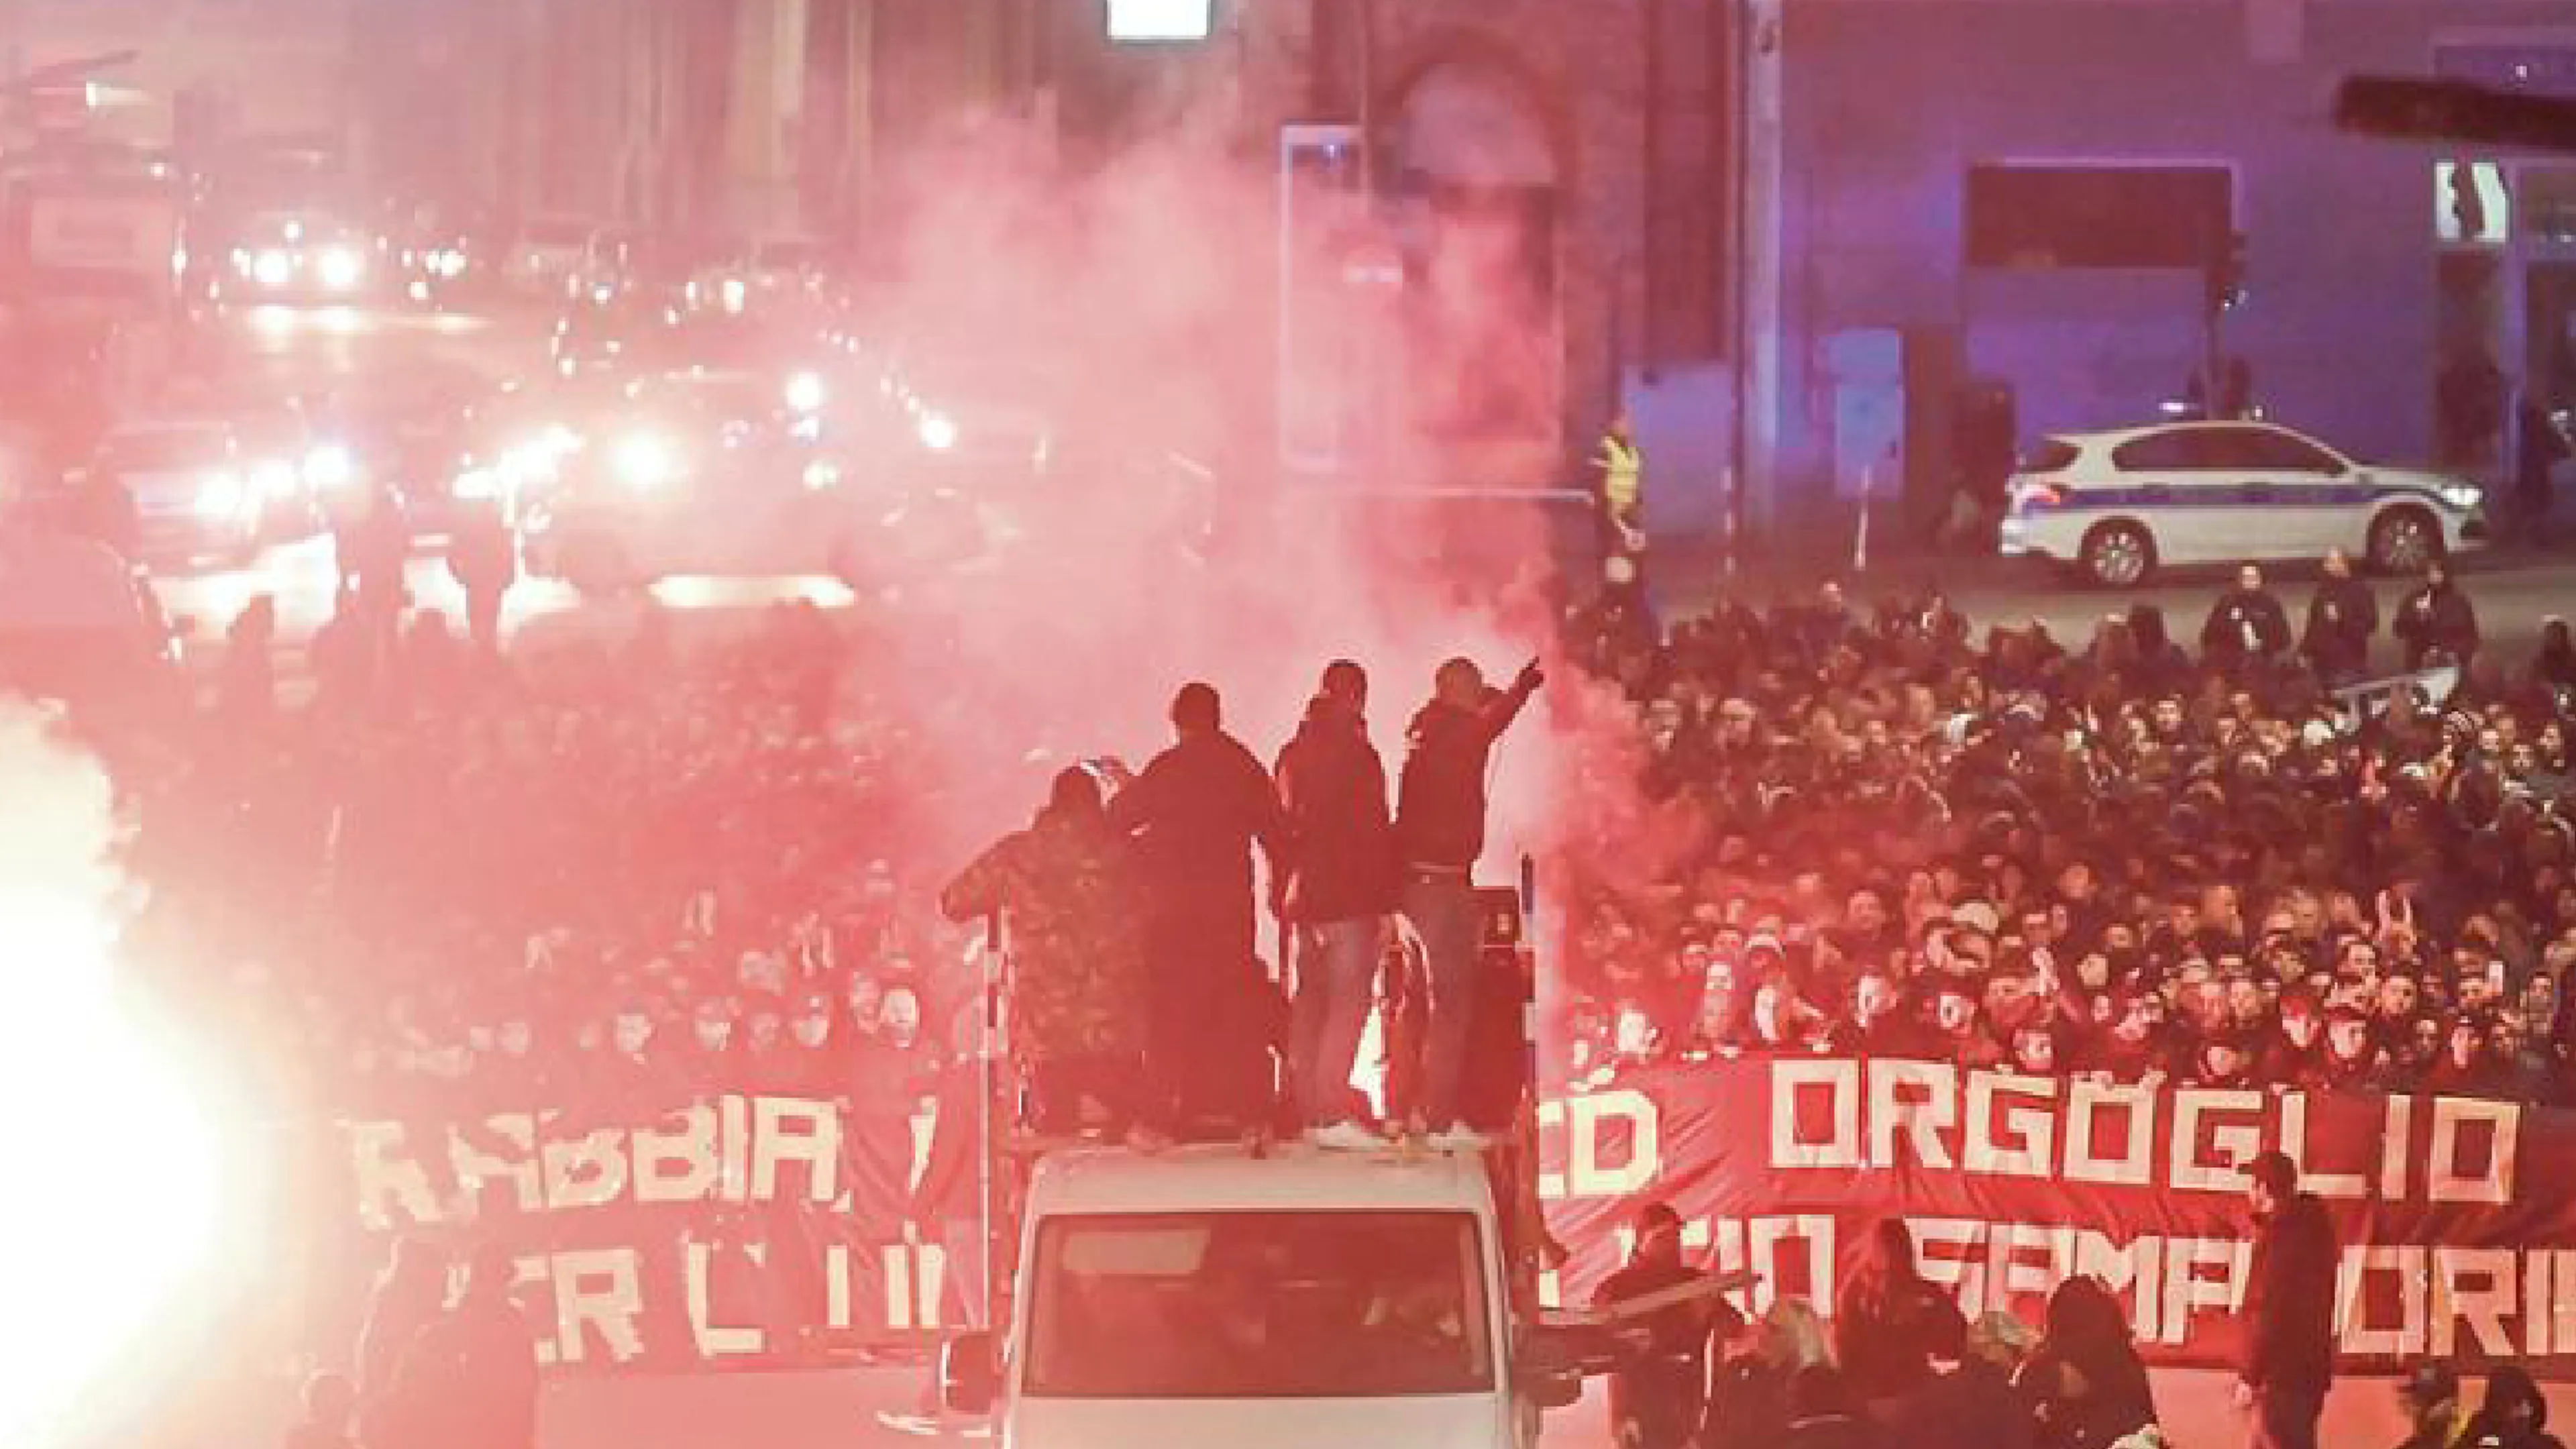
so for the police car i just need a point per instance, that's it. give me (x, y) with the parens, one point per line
(2118, 504)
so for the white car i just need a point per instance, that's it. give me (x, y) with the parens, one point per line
(2119, 504)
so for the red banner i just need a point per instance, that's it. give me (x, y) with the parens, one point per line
(2457, 1225)
(741, 1230)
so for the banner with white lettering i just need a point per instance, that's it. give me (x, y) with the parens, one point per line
(740, 1230)
(2457, 1226)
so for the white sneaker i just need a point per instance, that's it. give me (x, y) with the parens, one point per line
(1459, 1137)
(1346, 1137)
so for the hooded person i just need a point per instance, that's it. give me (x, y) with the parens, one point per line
(1891, 1323)
(1338, 897)
(2087, 1386)
(2435, 1417)
(2514, 1414)
(2436, 621)
(1075, 902)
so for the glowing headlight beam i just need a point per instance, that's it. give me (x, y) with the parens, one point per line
(938, 431)
(330, 466)
(341, 268)
(645, 462)
(221, 496)
(805, 392)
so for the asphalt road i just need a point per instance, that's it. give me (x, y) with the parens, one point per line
(841, 1410)
(321, 350)
(2514, 590)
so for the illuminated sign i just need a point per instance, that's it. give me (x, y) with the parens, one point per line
(1160, 19)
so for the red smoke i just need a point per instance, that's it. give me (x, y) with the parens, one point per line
(1145, 295)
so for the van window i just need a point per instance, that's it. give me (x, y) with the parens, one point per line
(1258, 1305)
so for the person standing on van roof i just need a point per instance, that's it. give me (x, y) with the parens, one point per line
(1338, 898)
(1076, 905)
(1196, 811)
(1440, 830)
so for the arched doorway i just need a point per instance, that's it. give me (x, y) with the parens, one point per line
(1477, 186)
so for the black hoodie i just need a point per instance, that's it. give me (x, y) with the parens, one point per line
(1334, 788)
(1440, 811)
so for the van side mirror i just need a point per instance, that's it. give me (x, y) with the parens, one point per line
(970, 1374)
(1550, 1365)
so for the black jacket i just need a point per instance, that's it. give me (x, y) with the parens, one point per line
(1197, 809)
(1440, 807)
(2289, 1301)
(470, 1378)
(2343, 614)
(1660, 1386)
(1886, 1346)
(2245, 623)
(2440, 619)
(1972, 1407)
(1334, 790)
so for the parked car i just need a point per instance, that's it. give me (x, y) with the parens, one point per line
(550, 253)
(2119, 505)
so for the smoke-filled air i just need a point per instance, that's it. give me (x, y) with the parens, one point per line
(1141, 297)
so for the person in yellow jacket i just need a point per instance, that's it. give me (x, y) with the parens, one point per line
(1619, 503)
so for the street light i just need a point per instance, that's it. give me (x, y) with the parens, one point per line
(1131, 20)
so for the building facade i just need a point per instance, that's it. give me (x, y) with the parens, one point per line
(2081, 205)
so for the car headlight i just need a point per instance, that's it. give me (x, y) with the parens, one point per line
(330, 466)
(274, 479)
(272, 268)
(2463, 495)
(221, 496)
(820, 475)
(938, 431)
(341, 268)
(805, 393)
(645, 462)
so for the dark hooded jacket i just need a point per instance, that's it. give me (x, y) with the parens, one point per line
(2289, 1301)
(1334, 789)
(2491, 1428)
(2440, 619)
(1440, 813)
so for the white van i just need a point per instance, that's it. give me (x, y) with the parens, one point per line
(1303, 1300)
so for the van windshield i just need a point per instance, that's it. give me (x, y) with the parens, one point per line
(1258, 1305)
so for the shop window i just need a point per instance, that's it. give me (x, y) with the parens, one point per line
(2098, 216)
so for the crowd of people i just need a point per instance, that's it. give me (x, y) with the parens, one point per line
(2249, 867)
(441, 879)
(458, 875)
(1901, 1367)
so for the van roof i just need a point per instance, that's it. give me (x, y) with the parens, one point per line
(1228, 1179)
